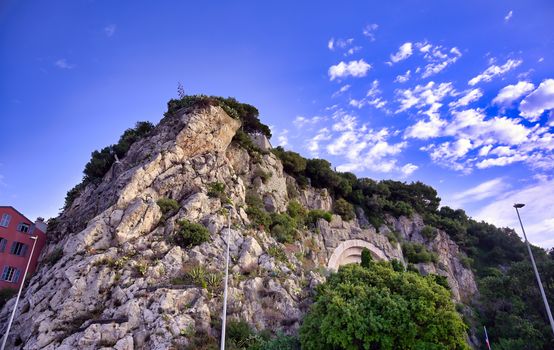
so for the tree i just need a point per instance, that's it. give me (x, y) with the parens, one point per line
(366, 258)
(379, 308)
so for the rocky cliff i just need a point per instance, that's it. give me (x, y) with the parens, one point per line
(120, 282)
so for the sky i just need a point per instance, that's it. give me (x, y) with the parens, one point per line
(457, 94)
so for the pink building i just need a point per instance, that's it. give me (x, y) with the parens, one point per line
(15, 245)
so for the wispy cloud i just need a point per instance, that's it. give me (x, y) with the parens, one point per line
(487, 189)
(109, 30)
(340, 91)
(63, 64)
(494, 71)
(537, 215)
(369, 31)
(509, 16)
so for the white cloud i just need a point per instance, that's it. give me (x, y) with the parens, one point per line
(439, 60)
(404, 51)
(537, 215)
(424, 95)
(313, 143)
(408, 169)
(509, 16)
(510, 93)
(469, 97)
(403, 78)
(340, 91)
(494, 71)
(353, 68)
(369, 31)
(487, 189)
(333, 44)
(110, 30)
(373, 98)
(540, 100)
(301, 121)
(63, 64)
(425, 129)
(282, 138)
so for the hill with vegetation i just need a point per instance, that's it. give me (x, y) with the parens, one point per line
(135, 256)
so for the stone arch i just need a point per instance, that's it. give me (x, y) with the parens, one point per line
(350, 251)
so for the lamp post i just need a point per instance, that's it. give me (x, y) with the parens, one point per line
(519, 206)
(34, 238)
(229, 208)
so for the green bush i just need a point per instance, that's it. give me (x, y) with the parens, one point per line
(191, 234)
(263, 175)
(397, 265)
(417, 253)
(399, 208)
(283, 228)
(393, 237)
(243, 140)
(278, 253)
(344, 209)
(466, 261)
(167, 205)
(316, 214)
(53, 257)
(258, 216)
(5, 295)
(379, 308)
(216, 190)
(366, 258)
(293, 163)
(238, 332)
(429, 232)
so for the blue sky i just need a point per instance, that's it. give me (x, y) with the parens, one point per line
(458, 94)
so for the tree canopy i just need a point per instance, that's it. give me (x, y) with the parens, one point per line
(380, 308)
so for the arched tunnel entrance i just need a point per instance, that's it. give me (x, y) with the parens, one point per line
(350, 251)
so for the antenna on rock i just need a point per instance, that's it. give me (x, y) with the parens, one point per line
(180, 90)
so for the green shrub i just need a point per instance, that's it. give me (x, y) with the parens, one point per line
(316, 214)
(293, 163)
(429, 232)
(216, 190)
(283, 228)
(5, 295)
(440, 280)
(167, 205)
(366, 258)
(253, 199)
(53, 257)
(191, 234)
(278, 253)
(259, 217)
(417, 253)
(344, 209)
(399, 208)
(238, 333)
(379, 308)
(263, 175)
(466, 261)
(296, 210)
(280, 342)
(397, 265)
(393, 237)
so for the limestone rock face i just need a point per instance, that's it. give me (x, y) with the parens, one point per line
(123, 283)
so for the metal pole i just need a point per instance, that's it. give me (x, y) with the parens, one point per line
(19, 294)
(536, 272)
(229, 208)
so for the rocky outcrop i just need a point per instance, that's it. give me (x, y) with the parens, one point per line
(123, 283)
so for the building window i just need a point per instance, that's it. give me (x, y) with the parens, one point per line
(18, 248)
(3, 243)
(5, 220)
(23, 227)
(10, 274)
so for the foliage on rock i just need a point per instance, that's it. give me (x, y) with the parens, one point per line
(190, 234)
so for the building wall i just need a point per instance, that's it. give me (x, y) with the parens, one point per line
(11, 234)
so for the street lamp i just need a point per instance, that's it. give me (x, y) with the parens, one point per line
(229, 208)
(34, 238)
(519, 206)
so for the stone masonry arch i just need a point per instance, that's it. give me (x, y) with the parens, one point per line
(350, 251)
